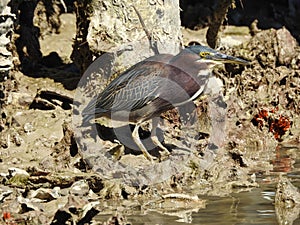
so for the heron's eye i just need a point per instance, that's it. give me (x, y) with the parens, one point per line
(204, 54)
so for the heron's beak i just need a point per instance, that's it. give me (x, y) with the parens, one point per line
(220, 57)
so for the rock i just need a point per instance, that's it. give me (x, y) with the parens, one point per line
(80, 188)
(6, 27)
(286, 193)
(61, 217)
(286, 46)
(287, 201)
(272, 47)
(17, 177)
(89, 211)
(28, 205)
(17, 139)
(4, 192)
(45, 193)
(16, 171)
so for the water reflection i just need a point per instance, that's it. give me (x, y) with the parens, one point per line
(240, 208)
(285, 159)
(253, 207)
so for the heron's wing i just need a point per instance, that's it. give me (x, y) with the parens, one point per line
(138, 93)
(133, 89)
(131, 93)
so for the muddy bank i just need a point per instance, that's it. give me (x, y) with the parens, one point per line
(46, 179)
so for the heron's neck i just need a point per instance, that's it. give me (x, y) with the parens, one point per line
(188, 62)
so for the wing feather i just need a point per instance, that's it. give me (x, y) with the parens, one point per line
(133, 89)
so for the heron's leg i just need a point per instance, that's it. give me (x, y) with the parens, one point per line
(137, 140)
(154, 137)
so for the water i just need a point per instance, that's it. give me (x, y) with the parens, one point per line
(255, 207)
(249, 207)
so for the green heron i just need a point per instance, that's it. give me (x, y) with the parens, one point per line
(156, 85)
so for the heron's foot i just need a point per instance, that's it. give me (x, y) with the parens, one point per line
(148, 156)
(164, 156)
(117, 152)
(165, 152)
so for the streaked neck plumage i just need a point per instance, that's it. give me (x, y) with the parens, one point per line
(189, 62)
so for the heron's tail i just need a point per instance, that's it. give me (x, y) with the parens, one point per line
(91, 111)
(88, 113)
(87, 119)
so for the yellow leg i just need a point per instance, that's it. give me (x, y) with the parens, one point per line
(137, 140)
(154, 137)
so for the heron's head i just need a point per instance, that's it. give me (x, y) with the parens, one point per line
(210, 55)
